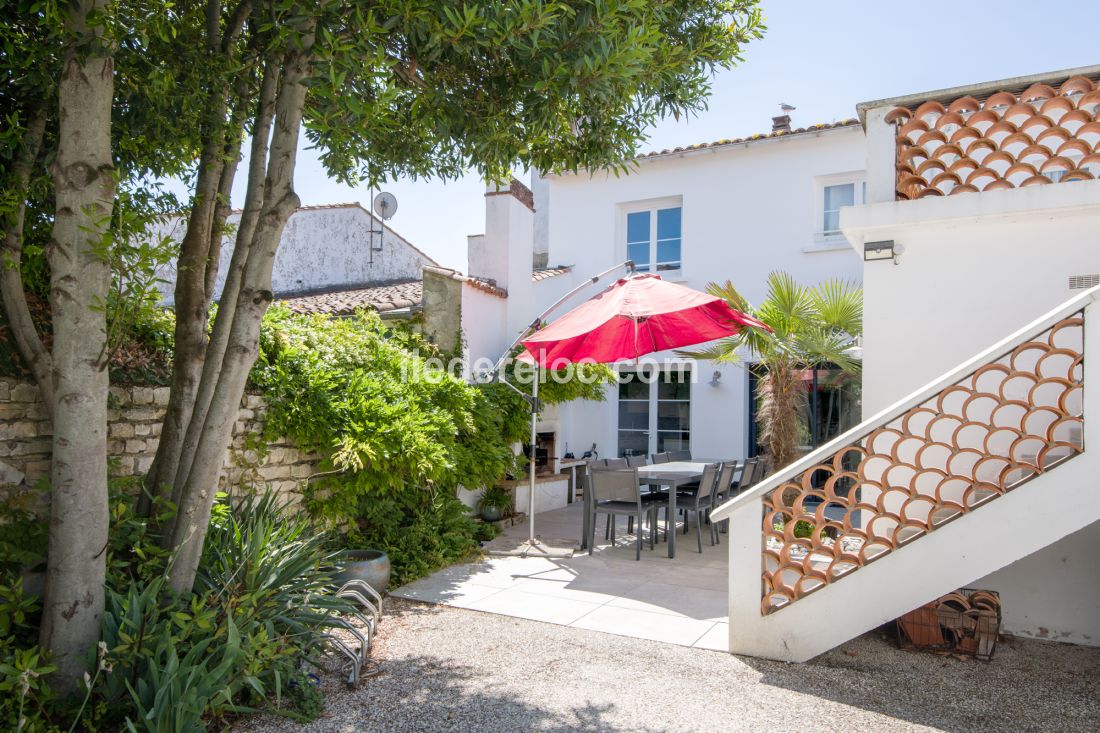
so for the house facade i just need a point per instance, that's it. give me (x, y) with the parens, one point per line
(696, 215)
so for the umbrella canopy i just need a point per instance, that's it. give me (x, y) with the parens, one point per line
(634, 316)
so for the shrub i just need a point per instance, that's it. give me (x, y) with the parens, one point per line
(396, 447)
(24, 693)
(257, 611)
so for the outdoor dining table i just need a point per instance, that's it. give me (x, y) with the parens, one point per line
(670, 476)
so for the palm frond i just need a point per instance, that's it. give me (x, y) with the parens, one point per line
(788, 307)
(724, 351)
(839, 305)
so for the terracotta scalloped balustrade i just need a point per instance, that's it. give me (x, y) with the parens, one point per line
(1041, 136)
(1007, 422)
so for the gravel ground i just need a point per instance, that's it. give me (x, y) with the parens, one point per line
(447, 669)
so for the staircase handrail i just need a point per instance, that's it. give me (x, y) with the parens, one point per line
(899, 408)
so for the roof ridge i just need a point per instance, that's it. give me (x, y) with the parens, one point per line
(757, 137)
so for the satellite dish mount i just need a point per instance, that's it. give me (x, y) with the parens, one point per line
(385, 206)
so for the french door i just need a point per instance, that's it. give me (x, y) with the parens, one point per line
(654, 410)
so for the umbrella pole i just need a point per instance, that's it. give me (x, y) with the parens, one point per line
(531, 465)
(532, 546)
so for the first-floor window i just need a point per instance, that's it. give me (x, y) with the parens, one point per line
(835, 193)
(653, 238)
(654, 410)
(837, 196)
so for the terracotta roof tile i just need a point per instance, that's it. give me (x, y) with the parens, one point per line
(486, 285)
(345, 301)
(751, 138)
(548, 272)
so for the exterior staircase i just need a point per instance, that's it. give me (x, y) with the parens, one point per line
(982, 467)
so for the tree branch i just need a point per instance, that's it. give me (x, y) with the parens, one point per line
(30, 344)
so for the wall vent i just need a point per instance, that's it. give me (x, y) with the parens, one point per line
(1081, 282)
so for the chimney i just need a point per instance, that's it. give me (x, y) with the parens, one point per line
(782, 123)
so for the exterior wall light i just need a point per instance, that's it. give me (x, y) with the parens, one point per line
(714, 379)
(884, 250)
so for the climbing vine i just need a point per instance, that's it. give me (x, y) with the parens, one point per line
(398, 433)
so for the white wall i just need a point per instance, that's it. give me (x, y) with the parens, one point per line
(748, 209)
(975, 268)
(323, 247)
(1053, 594)
(483, 318)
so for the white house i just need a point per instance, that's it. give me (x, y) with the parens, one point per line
(977, 459)
(732, 209)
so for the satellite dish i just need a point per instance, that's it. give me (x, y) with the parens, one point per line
(385, 205)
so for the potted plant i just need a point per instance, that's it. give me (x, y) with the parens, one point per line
(372, 566)
(495, 502)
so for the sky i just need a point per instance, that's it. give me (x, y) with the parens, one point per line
(823, 58)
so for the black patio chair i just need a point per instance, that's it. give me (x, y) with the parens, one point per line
(616, 493)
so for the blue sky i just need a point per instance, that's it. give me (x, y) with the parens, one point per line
(823, 58)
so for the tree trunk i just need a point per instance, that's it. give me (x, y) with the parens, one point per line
(26, 336)
(254, 198)
(85, 182)
(782, 397)
(200, 250)
(191, 305)
(196, 491)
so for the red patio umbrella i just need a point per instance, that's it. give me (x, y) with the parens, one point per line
(634, 316)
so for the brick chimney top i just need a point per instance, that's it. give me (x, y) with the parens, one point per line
(782, 123)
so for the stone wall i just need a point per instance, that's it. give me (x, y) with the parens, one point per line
(134, 423)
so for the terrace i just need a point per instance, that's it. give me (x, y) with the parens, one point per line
(681, 601)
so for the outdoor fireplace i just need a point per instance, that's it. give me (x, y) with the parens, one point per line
(545, 453)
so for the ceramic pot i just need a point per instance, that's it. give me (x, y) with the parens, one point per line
(372, 566)
(491, 514)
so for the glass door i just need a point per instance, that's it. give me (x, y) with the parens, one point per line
(654, 411)
(673, 396)
(633, 414)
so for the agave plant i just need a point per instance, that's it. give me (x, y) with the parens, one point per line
(813, 327)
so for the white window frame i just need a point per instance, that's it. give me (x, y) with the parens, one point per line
(652, 430)
(650, 205)
(859, 181)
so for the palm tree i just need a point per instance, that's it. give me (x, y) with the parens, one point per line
(813, 327)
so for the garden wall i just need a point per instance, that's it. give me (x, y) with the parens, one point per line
(134, 424)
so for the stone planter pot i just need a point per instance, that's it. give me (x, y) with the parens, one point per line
(491, 514)
(372, 566)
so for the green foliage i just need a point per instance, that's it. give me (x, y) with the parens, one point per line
(24, 693)
(24, 537)
(495, 497)
(307, 699)
(134, 553)
(399, 433)
(423, 88)
(389, 420)
(257, 610)
(811, 327)
(421, 530)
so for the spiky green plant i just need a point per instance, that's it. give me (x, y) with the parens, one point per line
(812, 327)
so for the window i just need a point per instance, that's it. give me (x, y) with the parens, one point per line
(653, 238)
(654, 410)
(833, 194)
(837, 195)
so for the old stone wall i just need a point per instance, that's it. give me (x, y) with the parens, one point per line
(134, 424)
